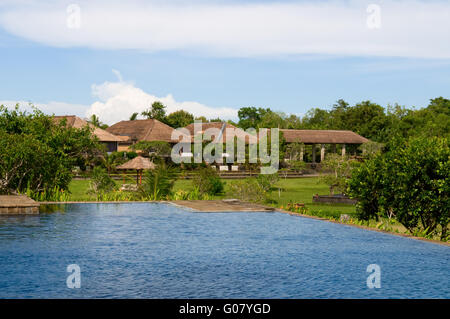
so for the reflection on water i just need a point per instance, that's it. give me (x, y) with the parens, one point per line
(52, 208)
(145, 250)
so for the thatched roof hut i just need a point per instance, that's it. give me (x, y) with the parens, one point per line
(138, 163)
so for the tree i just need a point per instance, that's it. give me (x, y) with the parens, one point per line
(410, 181)
(250, 117)
(179, 118)
(37, 154)
(134, 116)
(157, 112)
(201, 119)
(94, 120)
(337, 170)
(156, 149)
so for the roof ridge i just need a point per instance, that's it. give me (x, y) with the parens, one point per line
(150, 129)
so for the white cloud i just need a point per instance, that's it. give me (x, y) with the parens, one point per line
(408, 28)
(52, 107)
(118, 100)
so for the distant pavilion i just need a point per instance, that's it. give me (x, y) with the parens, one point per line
(322, 137)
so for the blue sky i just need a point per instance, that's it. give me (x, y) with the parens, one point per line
(112, 71)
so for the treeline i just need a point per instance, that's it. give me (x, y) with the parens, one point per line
(366, 118)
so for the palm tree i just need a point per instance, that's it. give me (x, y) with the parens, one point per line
(94, 120)
(157, 183)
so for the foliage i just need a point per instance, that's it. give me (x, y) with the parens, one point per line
(366, 118)
(101, 182)
(337, 170)
(94, 120)
(157, 183)
(154, 148)
(37, 154)
(297, 166)
(248, 190)
(411, 181)
(266, 181)
(208, 181)
(133, 117)
(193, 194)
(293, 151)
(157, 111)
(370, 148)
(179, 118)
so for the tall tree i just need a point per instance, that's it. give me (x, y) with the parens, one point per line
(179, 118)
(157, 112)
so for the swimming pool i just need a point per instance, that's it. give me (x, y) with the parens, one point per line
(148, 250)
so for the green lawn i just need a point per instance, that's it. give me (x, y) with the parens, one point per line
(296, 190)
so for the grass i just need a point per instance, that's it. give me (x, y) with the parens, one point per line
(296, 190)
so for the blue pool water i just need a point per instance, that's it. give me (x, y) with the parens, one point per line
(160, 251)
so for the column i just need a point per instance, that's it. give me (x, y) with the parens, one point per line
(322, 152)
(343, 150)
(301, 153)
(314, 153)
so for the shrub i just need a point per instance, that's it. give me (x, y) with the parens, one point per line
(248, 190)
(101, 182)
(411, 181)
(337, 170)
(157, 183)
(265, 181)
(208, 181)
(37, 155)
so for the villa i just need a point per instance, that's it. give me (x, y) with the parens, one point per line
(110, 141)
(135, 131)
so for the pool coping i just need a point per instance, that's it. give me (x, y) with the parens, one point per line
(268, 209)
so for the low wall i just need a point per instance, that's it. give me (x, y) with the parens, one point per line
(329, 199)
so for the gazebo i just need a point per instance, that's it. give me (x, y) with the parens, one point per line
(138, 163)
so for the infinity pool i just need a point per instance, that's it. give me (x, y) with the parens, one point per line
(160, 251)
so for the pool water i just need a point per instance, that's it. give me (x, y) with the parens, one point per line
(146, 250)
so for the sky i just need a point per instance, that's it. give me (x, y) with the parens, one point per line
(113, 58)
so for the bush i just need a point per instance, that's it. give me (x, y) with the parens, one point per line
(37, 155)
(248, 190)
(337, 170)
(410, 182)
(101, 182)
(157, 183)
(265, 181)
(208, 181)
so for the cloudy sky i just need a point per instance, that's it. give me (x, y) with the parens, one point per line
(210, 58)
